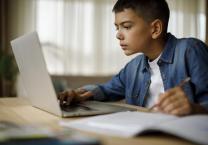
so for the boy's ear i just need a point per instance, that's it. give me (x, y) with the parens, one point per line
(156, 28)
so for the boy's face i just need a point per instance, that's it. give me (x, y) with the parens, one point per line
(133, 32)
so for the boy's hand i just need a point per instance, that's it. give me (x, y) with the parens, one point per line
(175, 102)
(74, 96)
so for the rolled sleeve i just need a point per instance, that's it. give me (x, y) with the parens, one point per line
(197, 62)
(98, 95)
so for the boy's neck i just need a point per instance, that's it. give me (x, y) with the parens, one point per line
(157, 48)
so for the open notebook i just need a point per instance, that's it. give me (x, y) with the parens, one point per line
(128, 124)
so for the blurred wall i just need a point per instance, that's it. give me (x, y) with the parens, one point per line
(16, 18)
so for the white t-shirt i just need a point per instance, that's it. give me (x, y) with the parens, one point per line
(156, 87)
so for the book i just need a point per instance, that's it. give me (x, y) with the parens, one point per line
(14, 134)
(132, 123)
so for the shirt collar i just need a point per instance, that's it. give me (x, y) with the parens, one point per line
(167, 54)
(145, 63)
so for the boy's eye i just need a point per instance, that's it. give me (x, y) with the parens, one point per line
(127, 27)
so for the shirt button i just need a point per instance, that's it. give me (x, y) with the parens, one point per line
(159, 62)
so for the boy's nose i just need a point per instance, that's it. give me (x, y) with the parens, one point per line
(119, 36)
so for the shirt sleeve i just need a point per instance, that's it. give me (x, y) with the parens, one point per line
(113, 90)
(96, 91)
(197, 55)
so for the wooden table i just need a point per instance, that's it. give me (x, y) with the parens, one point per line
(17, 110)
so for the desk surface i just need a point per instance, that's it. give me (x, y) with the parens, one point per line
(19, 111)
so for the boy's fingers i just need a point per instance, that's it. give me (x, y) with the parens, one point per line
(173, 102)
(167, 94)
(62, 97)
(85, 96)
(183, 110)
(74, 96)
(176, 111)
(172, 106)
(167, 101)
(80, 91)
(66, 97)
(69, 100)
(71, 96)
(174, 99)
(164, 96)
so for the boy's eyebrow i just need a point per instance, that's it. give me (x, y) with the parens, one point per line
(122, 23)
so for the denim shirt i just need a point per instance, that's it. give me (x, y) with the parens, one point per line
(181, 58)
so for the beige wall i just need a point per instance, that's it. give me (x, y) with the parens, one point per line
(16, 18)
(21, 17)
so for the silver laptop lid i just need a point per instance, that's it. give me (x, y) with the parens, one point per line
(34, 74)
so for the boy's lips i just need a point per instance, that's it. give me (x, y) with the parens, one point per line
(123, 46)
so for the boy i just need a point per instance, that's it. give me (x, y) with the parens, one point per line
(153, 78)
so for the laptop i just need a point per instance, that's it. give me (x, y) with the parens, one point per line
(39, 87)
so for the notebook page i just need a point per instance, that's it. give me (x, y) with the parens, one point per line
(124, 124)
(193, 128)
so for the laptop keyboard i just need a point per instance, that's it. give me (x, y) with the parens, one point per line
(75, 107)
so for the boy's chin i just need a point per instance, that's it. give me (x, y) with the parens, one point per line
(128, 53)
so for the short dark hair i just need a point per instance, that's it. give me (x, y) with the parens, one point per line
(149, 10)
